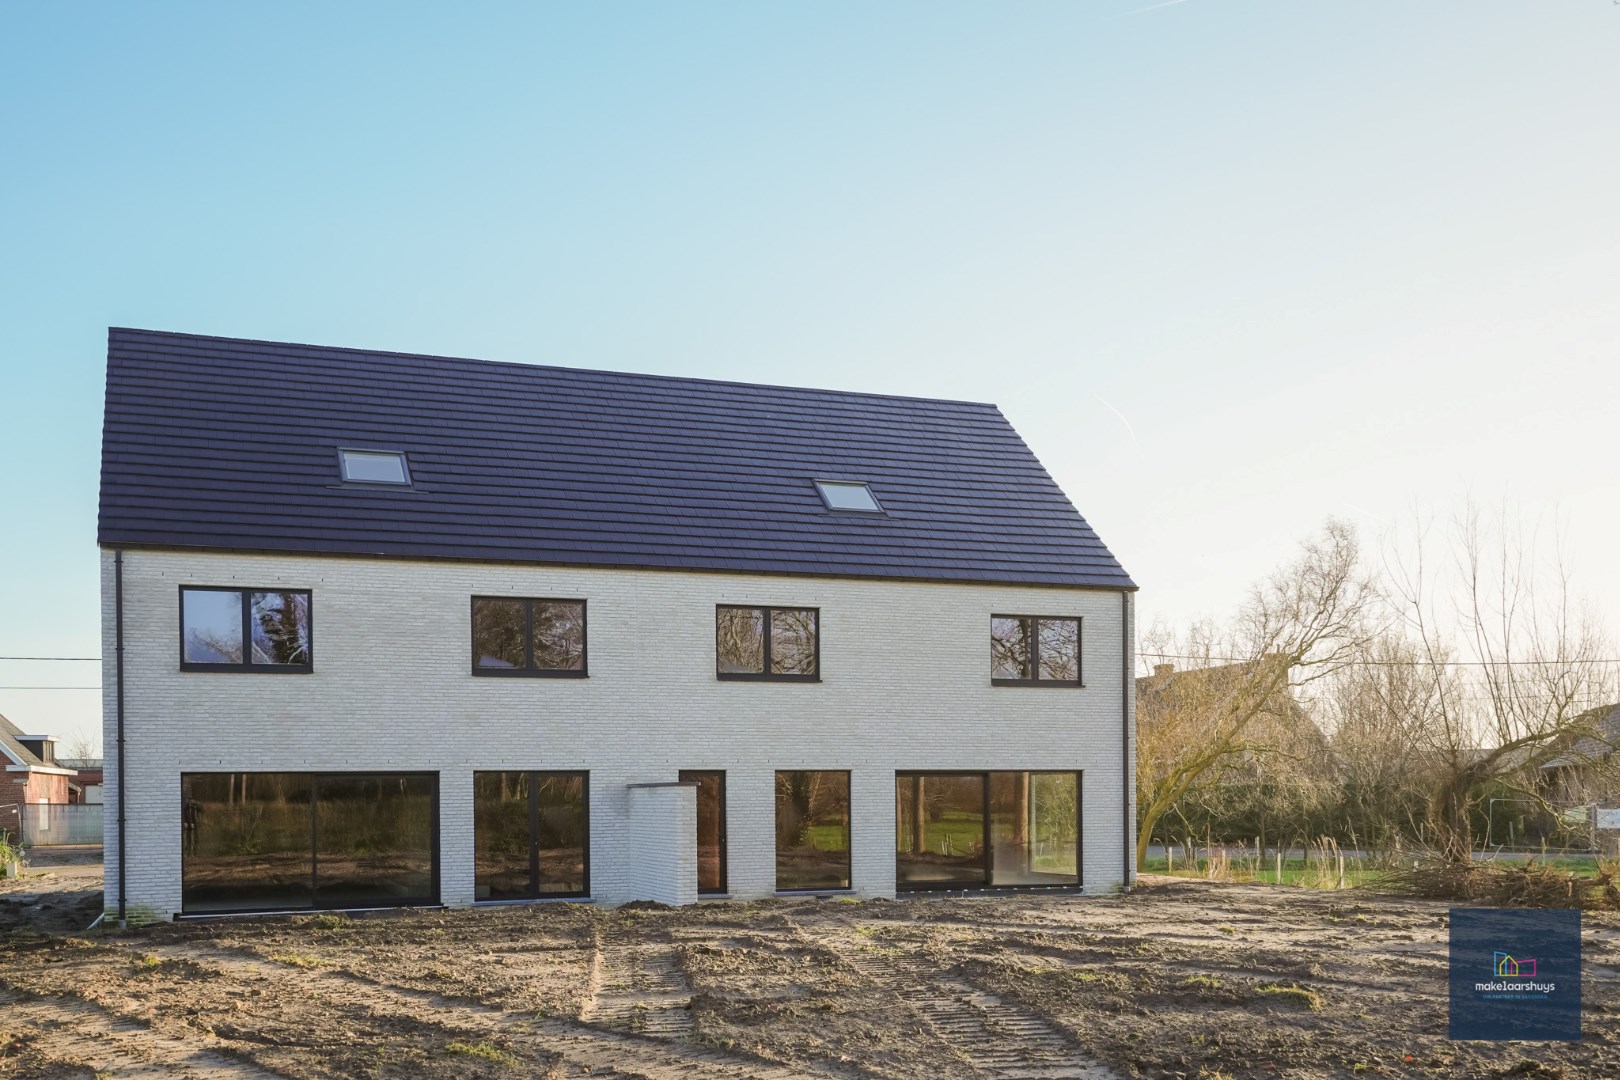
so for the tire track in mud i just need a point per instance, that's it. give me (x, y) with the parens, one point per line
(639, 987)
(116, 1047)
(596, 1050)
(998, 1039)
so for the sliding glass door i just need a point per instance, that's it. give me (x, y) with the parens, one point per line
(968, 830)
(293, 841)
(530, 835)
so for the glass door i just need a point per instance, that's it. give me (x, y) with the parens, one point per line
(711, 828)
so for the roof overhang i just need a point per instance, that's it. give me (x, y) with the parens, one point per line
(47, 769)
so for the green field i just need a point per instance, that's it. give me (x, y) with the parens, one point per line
(1317, 874)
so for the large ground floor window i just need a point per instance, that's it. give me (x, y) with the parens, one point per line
(969, 830)
(531, 835)
(812, 830)
(260, 841)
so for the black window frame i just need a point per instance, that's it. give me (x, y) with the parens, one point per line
(1079, 883)
(404, 467)
(849, 851)
(433, 899)
(1079, 680)
(689, 776)
(246, 666)
(765, 675)
(530, 671)
(536, 896)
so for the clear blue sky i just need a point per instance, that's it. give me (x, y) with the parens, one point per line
(1230, 266)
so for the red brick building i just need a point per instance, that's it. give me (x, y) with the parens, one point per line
(30, 774)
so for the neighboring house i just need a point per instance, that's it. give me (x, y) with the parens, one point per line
(87, 785)
(32, 775)
(385, 629)
(1280, 744)
(1586, 775)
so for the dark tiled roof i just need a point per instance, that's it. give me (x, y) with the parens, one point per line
(1588, 749)
(219, 443)
(15, 749)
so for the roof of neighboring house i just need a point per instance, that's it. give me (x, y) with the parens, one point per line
(1590, 749)
(219, 443)
(83, 764)
(14, 750)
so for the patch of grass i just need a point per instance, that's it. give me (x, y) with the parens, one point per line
(326, 920)
(484, 1051)
(297, 960)
(1229, 931)
(1208, 982)
(145, 964)
(1298, 995)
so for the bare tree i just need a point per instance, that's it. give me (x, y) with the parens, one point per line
(1302, 623)
(1382, 708)
(83, 746)
(1514, 670)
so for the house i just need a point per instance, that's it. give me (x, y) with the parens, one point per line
(1281, 746)
(87, 786)
(32, 775)
(385, 629)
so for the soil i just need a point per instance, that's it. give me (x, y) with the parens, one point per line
(1177, 979)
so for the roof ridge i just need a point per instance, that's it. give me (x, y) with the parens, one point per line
(520, 364)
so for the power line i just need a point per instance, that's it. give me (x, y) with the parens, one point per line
(96, 658)
(50, 688)
(1388, 663)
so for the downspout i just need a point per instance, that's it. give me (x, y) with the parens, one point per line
(1127, 816)
(118, 654)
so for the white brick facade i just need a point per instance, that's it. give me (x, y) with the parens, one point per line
(904, 685)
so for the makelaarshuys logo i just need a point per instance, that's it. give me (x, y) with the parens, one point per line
(1509, 967)
(1517, 977)
(1533, 986)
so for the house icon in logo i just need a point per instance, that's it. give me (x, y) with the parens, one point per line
(1509, 967)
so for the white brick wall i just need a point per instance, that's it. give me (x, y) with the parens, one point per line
(661, 842)
(905, 685)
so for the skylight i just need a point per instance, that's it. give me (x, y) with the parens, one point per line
(374, 466)
(843, 495)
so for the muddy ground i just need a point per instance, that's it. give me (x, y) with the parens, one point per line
(1178, 979)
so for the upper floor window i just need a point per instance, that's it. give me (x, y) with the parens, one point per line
(374, 467)
(227, 629)
(845, 495)
(528, 637)
(1034, 650)
(767, 643)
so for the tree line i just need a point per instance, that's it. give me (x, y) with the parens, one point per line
(1448, 694)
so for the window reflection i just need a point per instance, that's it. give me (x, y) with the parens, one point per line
(1060, 649)
(374, 839)
(1035, 828)
(793, 642)
(523, 636)
(944, 841)
(740, 640)
(285, 841)
(940, 838)
(711, 828)
(245, 842)
(559, 635)
(499, 636)
(1026, 648)
(812, 830)
(213, 626)
(530, 834)
(280, 628)
(1009, 648)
